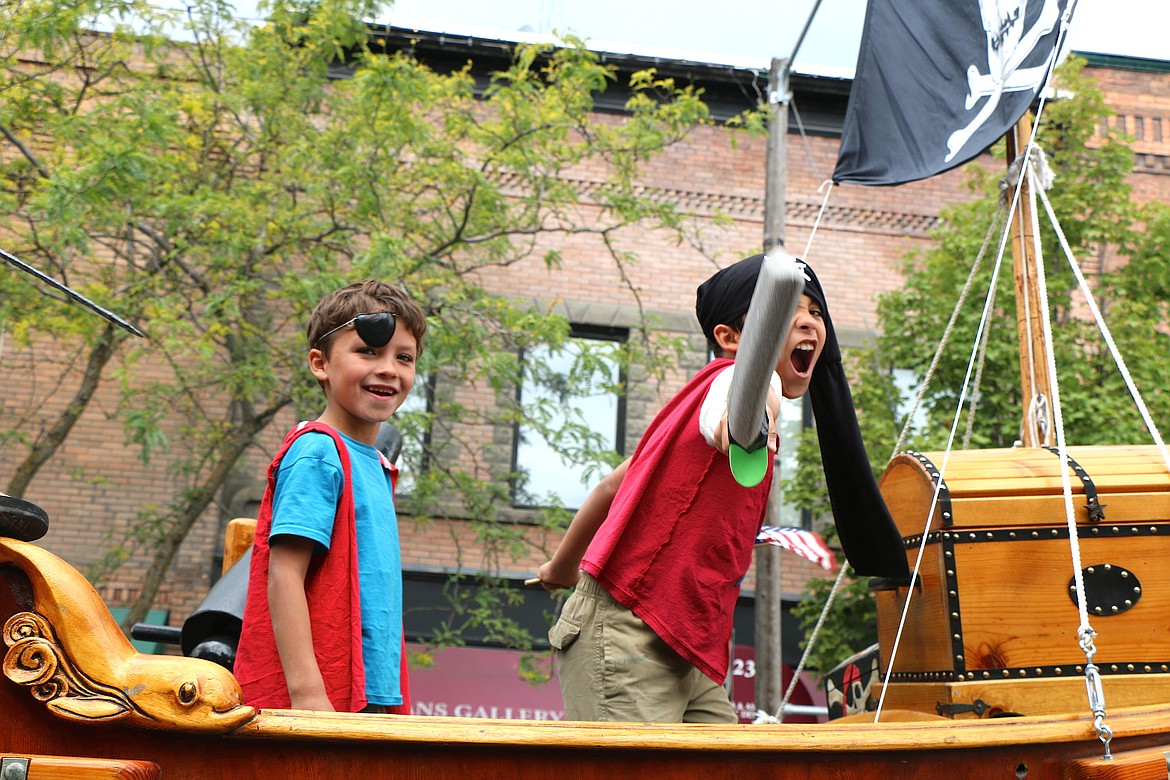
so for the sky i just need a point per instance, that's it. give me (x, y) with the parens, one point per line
(757, 31)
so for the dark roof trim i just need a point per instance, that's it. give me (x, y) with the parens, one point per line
(406, 37)
(728, 88)
(1117, 62)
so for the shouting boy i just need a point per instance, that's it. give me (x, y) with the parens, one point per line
(659, 548)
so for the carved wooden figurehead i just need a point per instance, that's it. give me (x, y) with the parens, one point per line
(64, 644)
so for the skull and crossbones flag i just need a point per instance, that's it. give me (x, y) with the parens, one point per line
(939, 81)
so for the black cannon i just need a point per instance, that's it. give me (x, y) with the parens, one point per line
(20, 519)
(212, 631)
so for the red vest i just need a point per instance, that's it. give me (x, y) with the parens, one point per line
(679, 535)
(333, 592)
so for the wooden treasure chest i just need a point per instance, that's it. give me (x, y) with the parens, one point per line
(992, 623)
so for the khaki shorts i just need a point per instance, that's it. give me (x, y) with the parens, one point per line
(613, 667)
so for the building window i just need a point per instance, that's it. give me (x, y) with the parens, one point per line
(572, 391)
(795, 416)
(908, 384)
(410, 422)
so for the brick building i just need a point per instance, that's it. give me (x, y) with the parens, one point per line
(715, 176)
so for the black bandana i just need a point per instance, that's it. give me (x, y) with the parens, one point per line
(724, 298)
(871, 540)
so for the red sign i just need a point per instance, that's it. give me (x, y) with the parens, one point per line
(481, 682)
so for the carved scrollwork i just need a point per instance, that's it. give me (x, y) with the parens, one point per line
(35, 659)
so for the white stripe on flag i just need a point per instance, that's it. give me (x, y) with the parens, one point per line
(804, 543)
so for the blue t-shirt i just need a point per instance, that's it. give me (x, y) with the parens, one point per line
(308, 488)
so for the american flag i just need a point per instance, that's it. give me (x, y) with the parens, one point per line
(804, 543)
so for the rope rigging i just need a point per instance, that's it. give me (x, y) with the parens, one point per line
(1031, 167)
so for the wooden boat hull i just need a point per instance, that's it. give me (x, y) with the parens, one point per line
(291, 744)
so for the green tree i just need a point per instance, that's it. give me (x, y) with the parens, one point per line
(211, 184)
(1091, 198)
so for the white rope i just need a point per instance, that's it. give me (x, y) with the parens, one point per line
(808, 646)
(1106, 334)
(1018, 169)
(812, 163)
(980, 362)
(976, 358)
(1085, 632)
(763, 717)
(1096, 695)
(1057, 412)
(827, 188)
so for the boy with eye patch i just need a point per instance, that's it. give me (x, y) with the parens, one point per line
(322, 626)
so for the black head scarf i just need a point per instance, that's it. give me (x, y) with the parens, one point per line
(724, 298)
(871, 540)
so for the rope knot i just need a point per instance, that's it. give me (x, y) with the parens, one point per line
(764, 717)
(1043, 177)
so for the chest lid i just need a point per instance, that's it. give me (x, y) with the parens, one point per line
(1022, 486)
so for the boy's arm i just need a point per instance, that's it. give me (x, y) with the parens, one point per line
(288, 563)
(563, 570)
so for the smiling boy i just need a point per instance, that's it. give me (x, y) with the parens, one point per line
(323, 620)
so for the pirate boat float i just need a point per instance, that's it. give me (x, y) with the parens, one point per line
(989, 664)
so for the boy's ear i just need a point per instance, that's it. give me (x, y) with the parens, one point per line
(727, 338)
(317, 364)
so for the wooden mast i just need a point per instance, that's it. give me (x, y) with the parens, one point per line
(1036, 426)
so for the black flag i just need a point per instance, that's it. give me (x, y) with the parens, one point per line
(939, 81)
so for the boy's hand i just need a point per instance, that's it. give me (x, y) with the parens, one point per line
(723, 437)
(550, 578)
(318, 702)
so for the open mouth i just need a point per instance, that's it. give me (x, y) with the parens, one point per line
(802, 357)
(384, 392)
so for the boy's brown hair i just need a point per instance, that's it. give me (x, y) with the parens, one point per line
(342, 305)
